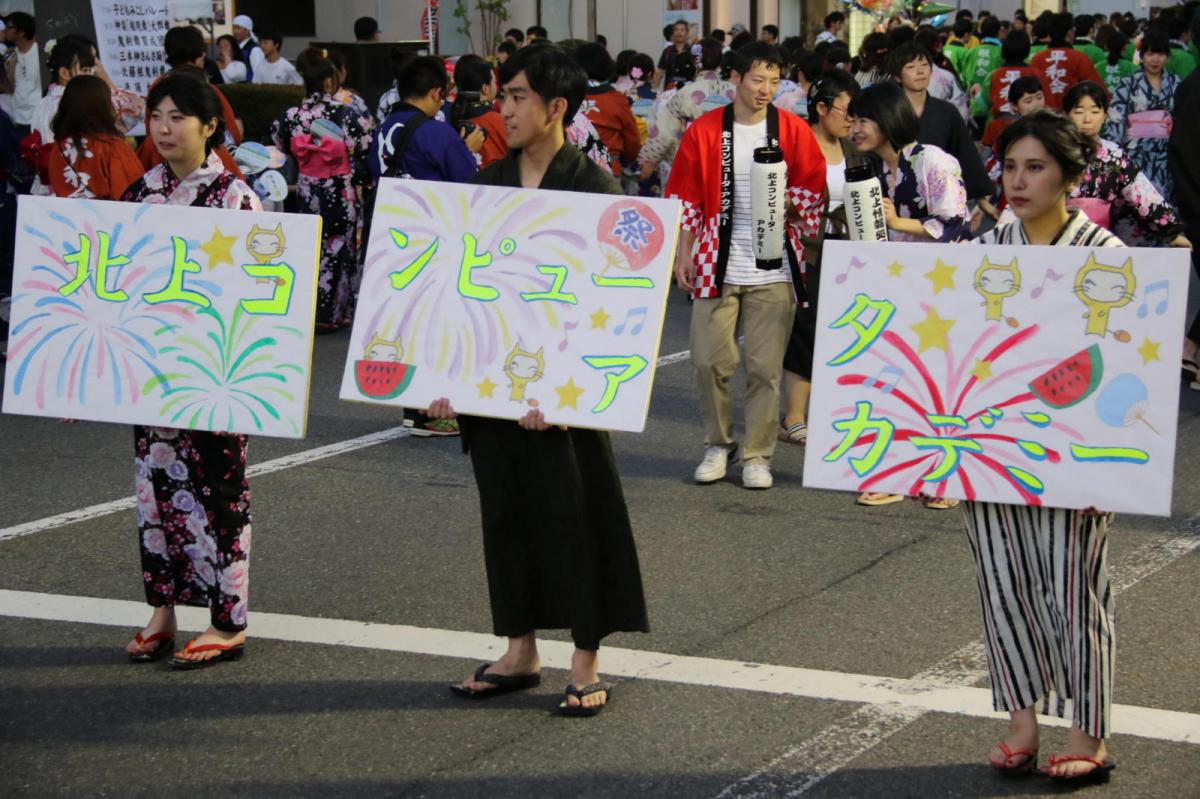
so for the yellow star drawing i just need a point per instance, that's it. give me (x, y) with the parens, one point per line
(485, 388)
(219, 249)
(895, 268)
(941, 276)
(1149, 351)
(982, 370)
(932, 331)
(568, 394)
(599, 320)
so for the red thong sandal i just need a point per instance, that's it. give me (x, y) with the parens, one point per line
(1099, 774)
(1005, 766)
(165, 639)
(181, 662)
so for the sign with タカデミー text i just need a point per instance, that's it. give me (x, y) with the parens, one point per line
(505, 299)
(159, 315)
(1024, 375)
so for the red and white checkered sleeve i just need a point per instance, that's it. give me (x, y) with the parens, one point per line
(809, 206)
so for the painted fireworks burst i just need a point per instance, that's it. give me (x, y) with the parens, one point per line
(119, 316)
(921, 389)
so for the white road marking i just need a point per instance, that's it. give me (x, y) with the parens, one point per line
(906, 700)
(266, 467)
(802, 767)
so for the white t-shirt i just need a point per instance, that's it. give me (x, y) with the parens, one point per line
(234, 72)
(281, 72)
(835, 181)
(27, 85)
(740, 269)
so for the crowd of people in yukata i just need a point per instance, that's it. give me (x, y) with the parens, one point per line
(1066, 130)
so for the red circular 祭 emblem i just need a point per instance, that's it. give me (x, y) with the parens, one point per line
(630, 233)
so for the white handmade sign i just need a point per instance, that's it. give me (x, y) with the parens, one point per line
(506, 299)
(1025, 375)
(163, 315)
(130, 36)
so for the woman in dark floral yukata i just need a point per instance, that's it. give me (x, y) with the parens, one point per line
(330, 141)
(193, 503)
(1124, 193)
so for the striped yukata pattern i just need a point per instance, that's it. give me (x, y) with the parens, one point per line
(1047, 609)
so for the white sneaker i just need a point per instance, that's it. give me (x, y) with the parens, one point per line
(757, 475)
(712, 468)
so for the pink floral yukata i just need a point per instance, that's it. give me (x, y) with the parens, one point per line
(928, 186)
(193, 501)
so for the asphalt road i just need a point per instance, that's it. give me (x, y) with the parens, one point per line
(737, 581)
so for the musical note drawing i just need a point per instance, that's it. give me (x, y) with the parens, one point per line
(1161, 308)
(567, 327)
(855, 263)
(886, 380)
(634, 313)
(1050, 275)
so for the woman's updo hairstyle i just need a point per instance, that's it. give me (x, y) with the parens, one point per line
(1057, 134)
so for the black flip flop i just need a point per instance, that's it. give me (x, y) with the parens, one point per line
(504, 683)
(579, 711)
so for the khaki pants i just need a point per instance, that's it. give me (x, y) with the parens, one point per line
(766, 315)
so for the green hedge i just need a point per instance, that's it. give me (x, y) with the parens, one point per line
(260, 104)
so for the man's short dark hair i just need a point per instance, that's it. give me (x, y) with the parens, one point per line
(904, 55)
(679, 22)
(365, 29)
(183, 45)
(1026, 84)
(22, 23)
(551, 73)
(963, 13)
(718, 34)
(601, 39)
(596, 61)
(833, 19)
(421, 76)
(886, 105)
(744, 59)
(772, 30)
(274, 35)
(1015, 49)
(473, 75)
(1083, 25)
(962, 29)
(1060, 28)
(989, 26)
(506, 47)
(515, 33)
(538, 31)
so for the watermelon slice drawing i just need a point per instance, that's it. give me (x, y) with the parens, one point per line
(383, 379)
(1071, 381)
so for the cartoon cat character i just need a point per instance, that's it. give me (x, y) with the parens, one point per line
(380, 349)
(1101, 288)
(265, 245)
(523, 367)
(995, 283)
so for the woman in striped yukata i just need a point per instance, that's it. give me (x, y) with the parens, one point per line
(1043, 579)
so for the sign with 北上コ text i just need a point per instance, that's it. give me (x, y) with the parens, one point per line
(1017, 374)
(159, 315)
(505, 299)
